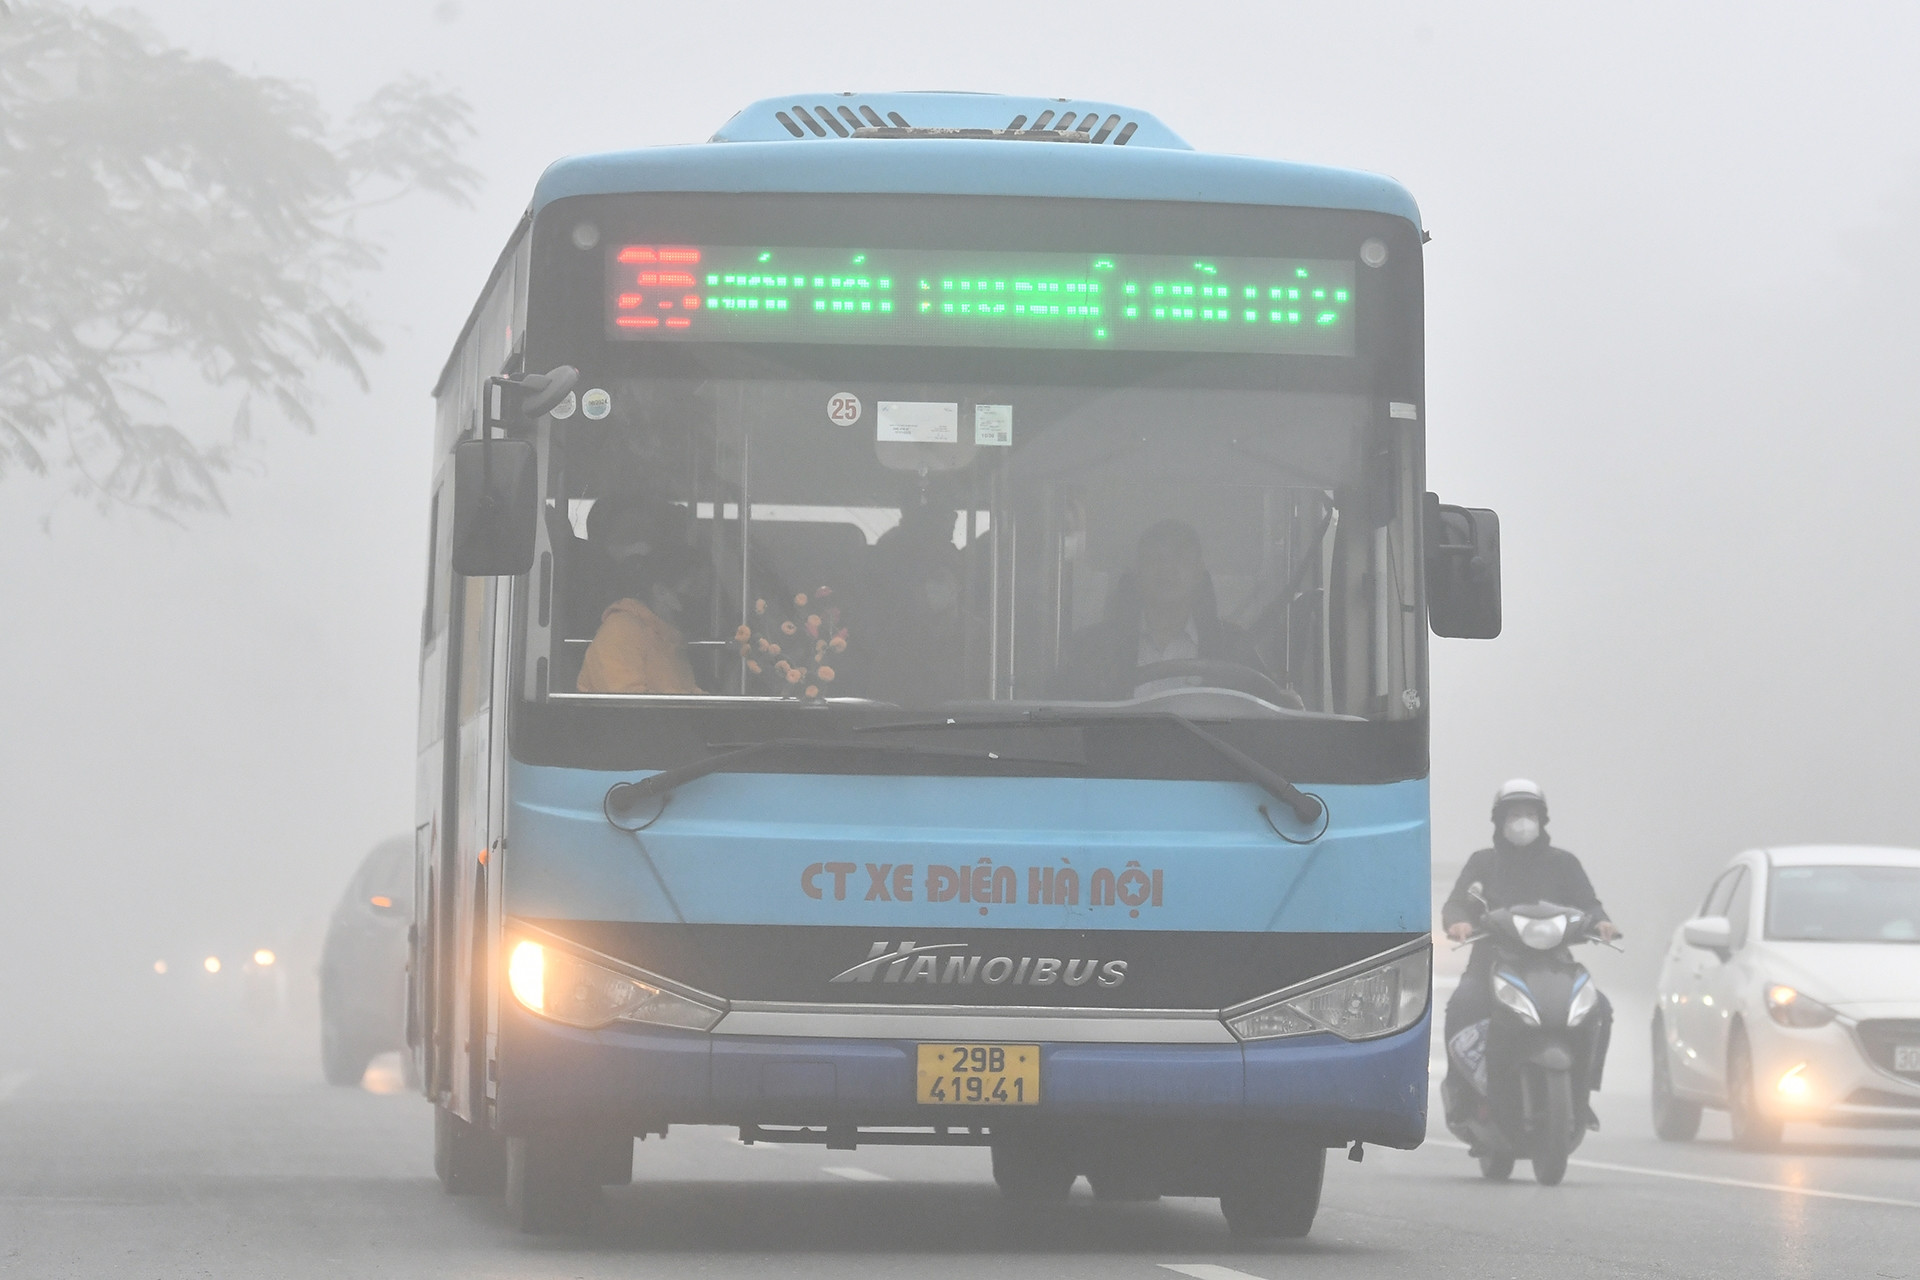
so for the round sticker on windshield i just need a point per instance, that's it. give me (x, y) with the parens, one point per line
(596, 404)
(565, 408)
(843, 408)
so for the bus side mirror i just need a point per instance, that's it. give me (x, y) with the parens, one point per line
(1463, 571)
(496, 502)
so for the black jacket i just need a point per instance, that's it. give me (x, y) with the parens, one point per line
(1509, 876)
(1099, 662)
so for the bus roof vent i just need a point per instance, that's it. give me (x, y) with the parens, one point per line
(833, 117)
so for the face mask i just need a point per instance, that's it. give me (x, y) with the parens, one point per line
(1521, 829)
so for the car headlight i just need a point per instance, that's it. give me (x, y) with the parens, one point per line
(560, 985)
(1514, 996)
(1375, 1002)
(1583, 1003)
(1789, 1008)
(1543, 933)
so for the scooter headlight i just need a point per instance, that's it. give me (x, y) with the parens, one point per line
(560, 985)
(1543, 933)
(1514, 996)
(1376, 1002)
(1583, 1004)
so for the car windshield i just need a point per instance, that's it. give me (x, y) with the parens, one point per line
(936, 544)
(1845, 904)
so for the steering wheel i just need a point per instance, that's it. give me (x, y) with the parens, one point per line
(1223, 674)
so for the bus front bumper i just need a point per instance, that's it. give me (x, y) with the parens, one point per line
(549, 1076)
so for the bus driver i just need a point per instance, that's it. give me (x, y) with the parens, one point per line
(1164, 611)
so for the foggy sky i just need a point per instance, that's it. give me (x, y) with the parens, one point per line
(1670, 334)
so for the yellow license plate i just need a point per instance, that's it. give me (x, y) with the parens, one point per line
(979, 1075)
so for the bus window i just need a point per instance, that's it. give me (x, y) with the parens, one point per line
(1126, 542)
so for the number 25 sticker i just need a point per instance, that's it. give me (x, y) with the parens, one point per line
(843, 407)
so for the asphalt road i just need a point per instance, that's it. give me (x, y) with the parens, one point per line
(210, 1150)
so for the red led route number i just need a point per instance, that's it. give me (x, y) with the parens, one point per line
(661, 293)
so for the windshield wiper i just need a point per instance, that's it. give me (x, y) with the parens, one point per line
(624, 795)
(1305, 807)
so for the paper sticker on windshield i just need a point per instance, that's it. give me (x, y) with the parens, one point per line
(843, 408)
(1401, 409)
(917, 421)
(596, 404)
(565, 408)
(993, 424)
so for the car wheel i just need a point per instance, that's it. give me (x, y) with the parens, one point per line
(343, 1061)
(551, 1186)
(1674, 1119)
(1274, 1192)
(1753, 1129)
(468, 1160)
(1496, 1168)
(1030, 1172)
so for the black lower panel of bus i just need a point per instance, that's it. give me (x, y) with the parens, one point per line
(1116, 969)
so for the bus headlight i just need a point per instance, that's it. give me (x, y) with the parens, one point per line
(1375, 1002)
(560, 985)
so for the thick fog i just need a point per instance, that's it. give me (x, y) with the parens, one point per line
(1670, 339)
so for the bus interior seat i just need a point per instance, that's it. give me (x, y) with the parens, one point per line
(805, 555)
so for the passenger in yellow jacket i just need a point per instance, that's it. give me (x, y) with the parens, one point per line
(636, 651)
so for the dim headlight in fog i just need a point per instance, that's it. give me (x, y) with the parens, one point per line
(1584, 1001)
(1515, 997)
(1375, 1002)
(560, 985)
(1790, 1008)
(1543, 933)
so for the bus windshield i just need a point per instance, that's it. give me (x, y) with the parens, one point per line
(935, 542)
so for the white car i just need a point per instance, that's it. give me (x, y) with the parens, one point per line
(1794, 996)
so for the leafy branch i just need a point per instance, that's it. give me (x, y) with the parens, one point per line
(164, 214)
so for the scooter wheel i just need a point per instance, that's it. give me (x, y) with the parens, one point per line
(1496, 1168)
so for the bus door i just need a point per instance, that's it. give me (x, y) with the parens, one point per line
(467, 827)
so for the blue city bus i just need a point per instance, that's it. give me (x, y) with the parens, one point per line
(925, 643)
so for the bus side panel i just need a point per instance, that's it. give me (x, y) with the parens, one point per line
(460, 801)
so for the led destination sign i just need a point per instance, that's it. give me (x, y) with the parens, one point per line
(953, 298)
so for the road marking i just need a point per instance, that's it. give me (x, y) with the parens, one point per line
(1709, 1179)
(1206, 1271)
(11, 1083)
(852, 1174)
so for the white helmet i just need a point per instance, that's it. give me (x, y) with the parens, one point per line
(1519, 791)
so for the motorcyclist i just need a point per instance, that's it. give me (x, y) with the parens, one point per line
(1522, 866)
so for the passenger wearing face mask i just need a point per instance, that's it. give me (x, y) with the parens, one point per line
(640, 580)
(1523, 866)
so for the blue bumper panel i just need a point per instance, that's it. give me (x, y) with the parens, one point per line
(1143, 1081)
(806, 1076)
(556, 1076)
(1321, 1080)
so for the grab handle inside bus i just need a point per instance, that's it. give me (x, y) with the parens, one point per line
(1463, 570)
